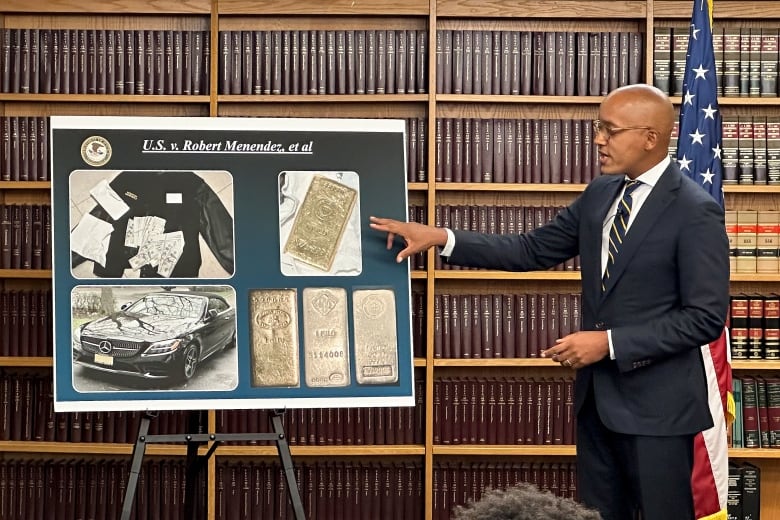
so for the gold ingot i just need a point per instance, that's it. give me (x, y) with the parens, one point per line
(376, 339)
(325, 334)
(274, 335)
(320, 222)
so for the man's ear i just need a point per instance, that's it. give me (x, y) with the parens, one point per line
(652, 141)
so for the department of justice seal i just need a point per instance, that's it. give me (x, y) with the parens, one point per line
(95, 150)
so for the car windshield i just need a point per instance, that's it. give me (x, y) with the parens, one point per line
(170, 305)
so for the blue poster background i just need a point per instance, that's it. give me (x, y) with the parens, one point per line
(375, 149)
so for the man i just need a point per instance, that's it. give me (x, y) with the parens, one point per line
(524, 502)
(655, 280)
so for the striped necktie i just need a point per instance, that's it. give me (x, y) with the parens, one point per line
(619, 227)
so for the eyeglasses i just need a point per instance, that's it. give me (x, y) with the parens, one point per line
(609, 131)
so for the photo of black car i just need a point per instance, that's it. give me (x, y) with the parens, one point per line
(162, 334)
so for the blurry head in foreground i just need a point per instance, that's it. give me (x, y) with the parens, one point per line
(524, 502)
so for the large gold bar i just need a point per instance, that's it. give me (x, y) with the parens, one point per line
(376, 339)
(274, 335)
(320, 222)
(325, 336)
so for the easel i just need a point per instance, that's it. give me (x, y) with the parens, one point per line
(196, 462)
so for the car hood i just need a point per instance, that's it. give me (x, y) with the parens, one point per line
(139, 327)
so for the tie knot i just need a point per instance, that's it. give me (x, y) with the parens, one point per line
(631, 185)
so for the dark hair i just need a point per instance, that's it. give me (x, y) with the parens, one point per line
(524, 502)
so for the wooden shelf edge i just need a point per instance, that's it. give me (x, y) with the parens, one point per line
(755, 277)
(182, 7)
(105, 98)
(89, 448)
(506, 450)
(25, 273)
(320, 98)
(25, 185)
(750, 188)
(494, 186)
(755, 364)
(502, 275)
(754, 453)
(319, 451)
(476, 98)
(494, 362)
(24, 361)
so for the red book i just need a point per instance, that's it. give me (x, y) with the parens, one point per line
(568, 411)
(750, 419)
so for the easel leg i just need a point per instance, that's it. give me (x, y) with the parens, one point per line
(135, 466)
(289, 472)
(193, 467)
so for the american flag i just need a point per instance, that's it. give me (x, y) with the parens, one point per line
(699, 157)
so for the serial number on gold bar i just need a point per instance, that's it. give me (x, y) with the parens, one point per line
(274, 335)
(325, 336)
(376, 339)
(320, 222)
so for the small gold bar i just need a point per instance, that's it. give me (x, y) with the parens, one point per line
(325, 335)
(274, 334)
(376, 341)
(320, 222)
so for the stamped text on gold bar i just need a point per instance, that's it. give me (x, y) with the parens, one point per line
(325, 336)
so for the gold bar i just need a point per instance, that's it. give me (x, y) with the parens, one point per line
(325, 335)
(376, 341)
(274, 333)
(320, 222)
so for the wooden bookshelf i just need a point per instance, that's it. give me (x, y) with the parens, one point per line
(423, 15)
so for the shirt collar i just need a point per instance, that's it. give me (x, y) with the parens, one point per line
(651, 176)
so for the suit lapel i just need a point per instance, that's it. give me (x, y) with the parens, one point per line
(660, 197)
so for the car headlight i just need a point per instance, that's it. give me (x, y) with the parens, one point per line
(163, 347)
(76, 338)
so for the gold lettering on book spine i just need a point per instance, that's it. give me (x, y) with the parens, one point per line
(376, 339)
(274, 335)
(325, 336)
(320, 222)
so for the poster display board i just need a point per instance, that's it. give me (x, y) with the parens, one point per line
(207, 263)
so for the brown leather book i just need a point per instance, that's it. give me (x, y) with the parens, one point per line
(360, 62)
(27, 236)
(487, 151)
(553, 320)
(380, 61)
(510, 411)
(486, 312)
(401, 56)
(185, 40)
(117, 66)
(501, 412)
(101, 61)
(453, 63)
(126, 57)
(568, 411)
(530, 391)
(533, 325)
(16, 236)
(277, 60)
(421, 62)
(225, 62)
(285, 66)
(341, 61)
(606, 82)
(482, 410)
(499, 145)
(35, 60)
(508, 321)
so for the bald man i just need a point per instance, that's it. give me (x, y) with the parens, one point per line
(655, 287)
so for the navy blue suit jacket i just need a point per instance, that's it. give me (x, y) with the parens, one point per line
(667, 295)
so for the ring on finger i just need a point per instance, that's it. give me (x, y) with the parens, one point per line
(567, 362)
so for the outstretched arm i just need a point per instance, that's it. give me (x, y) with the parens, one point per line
(417, 237)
